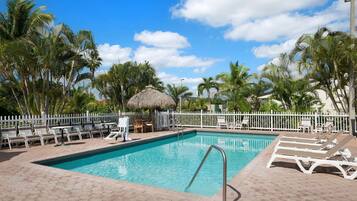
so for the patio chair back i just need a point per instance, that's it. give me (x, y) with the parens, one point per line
(87, 127)
(124, 124)
(245, 120)
(329, 125)
(221, 120)
(41, 131)
(306, 122)
(25, 132)
(9, 133)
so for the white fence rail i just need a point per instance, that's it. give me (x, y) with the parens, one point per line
(7, 122)
(272, 121)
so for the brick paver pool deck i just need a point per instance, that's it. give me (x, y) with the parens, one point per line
(20, 179)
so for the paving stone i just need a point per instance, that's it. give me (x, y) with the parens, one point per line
(20, 179)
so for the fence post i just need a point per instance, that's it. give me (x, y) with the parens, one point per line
(87, 115)
(271, 121)
(315, 121)
(201, 120)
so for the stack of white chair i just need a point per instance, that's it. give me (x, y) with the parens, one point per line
(122, 130)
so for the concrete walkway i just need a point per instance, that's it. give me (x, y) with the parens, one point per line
(20, 179)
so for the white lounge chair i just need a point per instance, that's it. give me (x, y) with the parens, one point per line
(305, 124)
(55, 134)
(244, 123)
(45, 136)
(71, 133)
(319, 147)
(221, 121)
(82, 132)
(30, 137)
(318, 159)
(98, 128)
(122, 129)
(317, 141)
(11, 137)
(327, 127)
(240, 124)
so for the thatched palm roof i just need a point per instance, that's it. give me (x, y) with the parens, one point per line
(150, 98)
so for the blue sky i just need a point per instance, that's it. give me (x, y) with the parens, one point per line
(192, 39)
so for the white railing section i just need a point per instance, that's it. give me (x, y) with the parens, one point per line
(60, 119)
(270, 121)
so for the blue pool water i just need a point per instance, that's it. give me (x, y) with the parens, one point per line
(170, 163)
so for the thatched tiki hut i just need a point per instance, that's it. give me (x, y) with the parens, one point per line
(151, 99)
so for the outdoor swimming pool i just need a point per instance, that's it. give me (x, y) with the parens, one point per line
(170, 163)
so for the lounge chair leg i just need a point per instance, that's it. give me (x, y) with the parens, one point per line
(301, 167)
(352, 176)
(42, 141)
(26, 144)
(56, 140)
(9, 142)
(272, 159)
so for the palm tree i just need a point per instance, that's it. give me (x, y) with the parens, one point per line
(177, 92)
(18, 26)
(323, 57)
(259, 87)
(233, 85)
(22, 20)
(122, 81)
(294, 93)
(207, 85)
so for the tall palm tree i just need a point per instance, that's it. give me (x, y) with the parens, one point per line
(233, 85)
(323, 58)
(294, 93)
(206, 85)
(22, 20)
(177, 92)
(259, 87)
(122, 81)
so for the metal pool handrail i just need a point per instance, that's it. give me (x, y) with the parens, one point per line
(224, 189)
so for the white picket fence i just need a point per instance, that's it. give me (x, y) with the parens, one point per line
(7, 122)
(271, 121)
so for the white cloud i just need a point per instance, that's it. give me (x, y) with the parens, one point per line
(162, 39)
(160, 48)
(288, 25)
(271, 51)
(334, 17)
(164, 49)
(232, 12)
(200, 70)
(173, 79)
(281, 21)
(167, 57)
(258, 20)
(111, 54)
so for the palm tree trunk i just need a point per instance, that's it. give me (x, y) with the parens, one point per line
(122, 97)
(330, 94)
(209, 99)
(338, 96)
(17, 101)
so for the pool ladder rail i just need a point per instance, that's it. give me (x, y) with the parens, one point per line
(224, 157)
(179, 129)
